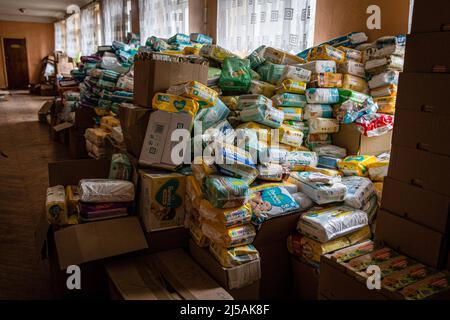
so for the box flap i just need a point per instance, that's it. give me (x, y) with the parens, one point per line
(190, 281)
(46, 107)
(97, 240)
(134, 121)
(71, 172)
(63, 126)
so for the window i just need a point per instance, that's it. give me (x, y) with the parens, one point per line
(73, 35)
(128, 16)
(163, 18)
(112, 21)
(89, 30)
(244, 25)
(98, 23)
(60, 36)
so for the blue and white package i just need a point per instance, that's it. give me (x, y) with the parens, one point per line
(384, 79)
(320, 66)
(318, 111)
(328, 162)
(349, 111)
(210, 116)
(263, 114)
(359, 191)
(179, 38)
(391, 40)
(201, 38)
(322, 96)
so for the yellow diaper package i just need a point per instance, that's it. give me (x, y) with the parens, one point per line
(355, 83)
(292, 86)
(172, 103)
(378, 170)
(197, 235)
(226, 218)
(326, 80)
(352, 54)
(278, 56)
(187, 51)
(291, 136)
(326, 52)
(378, 186)
(205, 96)
(323, 126)
(194, 191)
(356, 165)
(96, 136)
(201, 169)
(264, 88)
(293, 114)
(72, 199)
(327, 172)
(386, 104)
(230, 101)
(233, 257)
(264, 133)
(109, 122)
(229, 238)
(56, 206)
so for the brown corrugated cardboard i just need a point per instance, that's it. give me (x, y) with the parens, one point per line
(418, 205)
(351, 139)
(85, 117)
(97, 240)
(306, 280)
(151, 277)
(435, 59)
(425, 131)
(134, 121)
(77, 144)
(427, 88)
(151, 77)
(418, 242)
(72, 171)
(420, 168)
(431, 17)
(168, 239)
(45, 110)
(242, 282)
(157, 147)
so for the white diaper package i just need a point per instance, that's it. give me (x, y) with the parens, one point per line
(320, 66)
(320, 188)
(330, 151)
(352, 67)
(391, 50)
(303, 201)
(296, 73)
(312, 111)
(322, 95)
(105, 190)
(359, 191)
(384, 79)
(299, 159)
(328, 224)
(323, 125)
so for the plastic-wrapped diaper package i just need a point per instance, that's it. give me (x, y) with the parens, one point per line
(378, 186)
(328, 224)
(314, 140)
(322, 95)
(235, 75)
(380, 65)
(226, 218)
(202, 168)
(318, 111)
(371, 208)
(56, 206)
(273, 172)
(172, 103)
(226, 192)
(96, 136)
(323, 125)
(229, 238)
(386, 91)
(328, 162)
(230, 101)
(353, 68)
(352, 54)
(375, 124)
(355, 84)
(198, 236)
(278, 56)
(294, 114)
(390, 50)
(359, 191)
(270, 201)
(109, 122)
(120, 168)
(125, 83)
(95, 151)
(210, 116)
(304, 202)
(358, 97)
(275, 72)
(379, 169)
(216, 52)
(290, 100)
(326, 80)
(356, 165)
(251, 100)
(201, 38)
(290, 136)
(292, 86)
(349, 111)
(261, 87)
(265, 115)
(257, 57)
(205, 96)
(326, 52)
(399, 40)
(320, 66)
(300, 159)
(331, 151)
(320, 188)
(384, 79)
(327, 172)
(235, 162)
(105, 190)
(296, 73)
(298, 125)
(272, 155)
(179, 38)
(233, 257)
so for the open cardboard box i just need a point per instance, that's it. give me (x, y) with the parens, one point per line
(306, 280)
(429, 17)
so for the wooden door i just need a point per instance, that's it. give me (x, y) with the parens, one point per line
(16, 63)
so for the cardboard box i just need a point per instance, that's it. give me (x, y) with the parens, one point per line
(429, 17)
(157, 147)
(427, 89)
(422, 169)
(270, 241)
(151, 77)
(423, 207)
(170, 239)
(351, 139)
(45, 110)
(434, 59)
(242, 282)
(84, 118)
(169, 275)
(134, 121)
(306, 280)
(425, 131)
(162, 200)
(83, 243)
(416, 241)
(77, 144)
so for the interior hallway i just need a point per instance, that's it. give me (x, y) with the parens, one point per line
(25, 151)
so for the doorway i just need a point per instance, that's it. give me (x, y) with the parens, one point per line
(16, 63)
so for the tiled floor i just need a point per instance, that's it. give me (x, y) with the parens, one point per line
(25, 150)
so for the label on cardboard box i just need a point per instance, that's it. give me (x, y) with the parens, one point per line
(162, 200)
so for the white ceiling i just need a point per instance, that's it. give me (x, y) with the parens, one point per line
(36, 10)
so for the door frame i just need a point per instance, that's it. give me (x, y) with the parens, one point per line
(2, 45)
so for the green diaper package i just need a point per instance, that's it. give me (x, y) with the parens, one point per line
(236, 76)
(226, 192)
